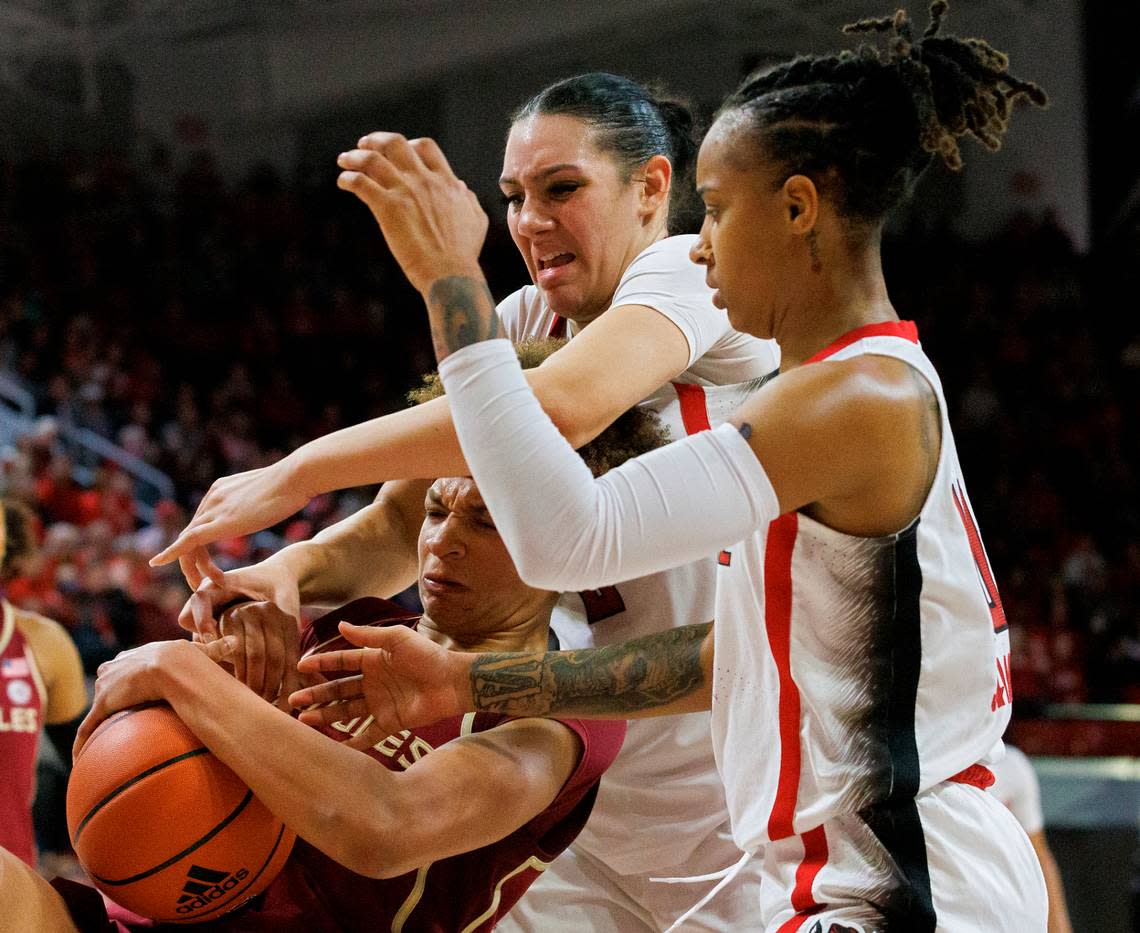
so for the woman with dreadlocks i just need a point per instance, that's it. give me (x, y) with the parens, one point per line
(858, 666)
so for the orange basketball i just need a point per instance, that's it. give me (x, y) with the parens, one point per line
(163, 827)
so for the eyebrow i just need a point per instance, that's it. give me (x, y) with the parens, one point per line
(480, 511)
(544, 173)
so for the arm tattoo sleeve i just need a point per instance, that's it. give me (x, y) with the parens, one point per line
(618, 679)
(461, 311)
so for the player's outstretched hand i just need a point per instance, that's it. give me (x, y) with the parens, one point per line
(235, 505)
(397, 677)
(431, 220)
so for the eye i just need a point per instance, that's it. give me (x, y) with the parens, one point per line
(435, 514)
(563, 189)
(512, 200)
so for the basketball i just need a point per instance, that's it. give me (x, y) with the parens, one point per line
(163, 827)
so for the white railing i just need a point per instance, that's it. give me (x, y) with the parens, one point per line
(18, 416)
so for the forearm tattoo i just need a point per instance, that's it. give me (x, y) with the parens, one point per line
(461, 311)
(620, 679)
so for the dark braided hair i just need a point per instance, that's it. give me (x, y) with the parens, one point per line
(632, 123)
(864, 124)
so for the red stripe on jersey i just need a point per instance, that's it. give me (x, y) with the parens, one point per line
(557, 327)
(778, 621)
(794, 923)
(904, 329)
(815, 857)
(981, 561)
(978, 776)
(694, 412)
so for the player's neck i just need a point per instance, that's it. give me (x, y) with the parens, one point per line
(845, 295)
(529, 633)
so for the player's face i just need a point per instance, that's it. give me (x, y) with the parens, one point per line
(743, 244)
(575, 221)
(468, 583)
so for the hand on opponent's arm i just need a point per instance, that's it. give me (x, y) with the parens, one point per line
(402, 679)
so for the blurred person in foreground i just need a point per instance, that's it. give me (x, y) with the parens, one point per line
(1015, 785)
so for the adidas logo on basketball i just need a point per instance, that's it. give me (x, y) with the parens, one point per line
(204, 885)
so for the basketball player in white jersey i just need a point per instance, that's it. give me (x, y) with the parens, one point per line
(858, 665)
(588, 175)
(1016, 787)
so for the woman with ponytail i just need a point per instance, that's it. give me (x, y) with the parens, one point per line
(596, 177)
(858, 666)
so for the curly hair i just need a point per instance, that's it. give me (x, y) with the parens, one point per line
(632, 434)
(866, 122)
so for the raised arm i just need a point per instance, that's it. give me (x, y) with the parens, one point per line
(465, 794)
(583, 387)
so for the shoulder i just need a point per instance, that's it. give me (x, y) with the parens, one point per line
(670, 253)
(1014, 771)
(870, 391)
(46, 637)
(601, 741)
(524, 313)
(595, 743)
(666, 261)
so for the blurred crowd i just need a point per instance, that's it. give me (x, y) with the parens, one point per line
(208, 329)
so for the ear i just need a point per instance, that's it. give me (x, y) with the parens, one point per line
(658, 179)
(801, 203)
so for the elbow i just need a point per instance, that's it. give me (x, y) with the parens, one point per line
(372, 851)
(566, 411)
(537, 570)
(571, 424)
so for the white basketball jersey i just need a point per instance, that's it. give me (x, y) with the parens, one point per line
(857, 671)
(662, 797)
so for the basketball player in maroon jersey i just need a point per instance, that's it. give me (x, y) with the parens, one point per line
(463, 815)
(41, 687)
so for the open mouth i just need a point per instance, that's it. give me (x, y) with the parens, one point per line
(554, 260)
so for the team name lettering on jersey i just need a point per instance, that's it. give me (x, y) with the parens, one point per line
(19, 719)
(404, 747)
(1003, 693)
(398, 747)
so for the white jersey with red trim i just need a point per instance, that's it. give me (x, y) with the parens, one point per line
(853, 672)
(1016, 788)
(666, 766)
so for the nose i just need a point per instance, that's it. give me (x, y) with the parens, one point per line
(701, 251)
(532, 219)
(446, 541)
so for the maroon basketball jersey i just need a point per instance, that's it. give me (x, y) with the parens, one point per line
(468, 892)
(21, 715)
